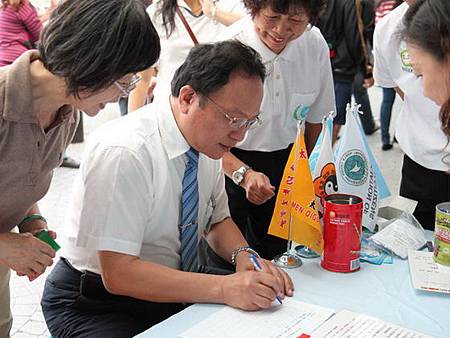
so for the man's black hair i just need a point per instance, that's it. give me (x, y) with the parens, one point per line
(208, 67)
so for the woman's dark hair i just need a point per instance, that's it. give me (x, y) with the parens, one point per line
(92, 43)
(167, 10)
(313, 8)
(427, 25)
(208, 67)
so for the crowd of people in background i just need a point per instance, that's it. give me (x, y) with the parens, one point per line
(182, 189)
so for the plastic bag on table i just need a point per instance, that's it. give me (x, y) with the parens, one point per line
(371, 253)
(399, 235)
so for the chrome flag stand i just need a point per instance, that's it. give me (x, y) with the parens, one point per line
(290, 259)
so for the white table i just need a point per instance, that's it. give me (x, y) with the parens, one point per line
(382, 291)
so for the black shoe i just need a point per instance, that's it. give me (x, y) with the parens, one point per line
(69, 162)
(387, 146)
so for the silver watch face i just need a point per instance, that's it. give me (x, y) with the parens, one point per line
(238, 177)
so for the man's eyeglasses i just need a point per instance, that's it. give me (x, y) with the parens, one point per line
(236, 122)
(127, 89)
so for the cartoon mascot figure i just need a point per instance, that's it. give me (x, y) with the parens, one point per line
(325, 184)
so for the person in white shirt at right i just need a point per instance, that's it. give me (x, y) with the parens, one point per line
(427, 32)
(418, 129)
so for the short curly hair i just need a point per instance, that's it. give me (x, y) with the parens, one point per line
(313, 8)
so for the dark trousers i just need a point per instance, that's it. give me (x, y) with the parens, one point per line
(76, 304)
(254, 220)
(343, 95)
(385, 114)
(362, 98)
(428, 187)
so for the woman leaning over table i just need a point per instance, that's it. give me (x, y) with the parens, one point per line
(427, 32)
(41, 95)
(206, 19)
(299, 74)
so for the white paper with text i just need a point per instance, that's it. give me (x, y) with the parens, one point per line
(347, 324)
(426, 274)
(290, 319)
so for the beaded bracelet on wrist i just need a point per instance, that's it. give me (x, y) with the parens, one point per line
(236, 252)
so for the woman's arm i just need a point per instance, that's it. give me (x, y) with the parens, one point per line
(30, 19)
(210, 9)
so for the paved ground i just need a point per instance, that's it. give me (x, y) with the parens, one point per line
(28, 319)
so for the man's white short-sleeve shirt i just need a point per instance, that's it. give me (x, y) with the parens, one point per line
(127, 195)
(299, 75)
(418, 128)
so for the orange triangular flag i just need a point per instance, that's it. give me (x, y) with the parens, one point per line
(296, 202)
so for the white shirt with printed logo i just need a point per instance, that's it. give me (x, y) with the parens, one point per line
(418, 128)
(299, 75)
(127, 195)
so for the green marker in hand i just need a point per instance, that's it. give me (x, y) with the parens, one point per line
(45, 237)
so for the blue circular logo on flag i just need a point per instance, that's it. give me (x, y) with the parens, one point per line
(354, 166)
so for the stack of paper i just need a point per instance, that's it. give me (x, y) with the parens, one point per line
(295, 319)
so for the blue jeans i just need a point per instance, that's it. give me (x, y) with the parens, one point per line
(385, 114)
(343, 94)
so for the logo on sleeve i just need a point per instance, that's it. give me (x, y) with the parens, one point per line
(406, 60)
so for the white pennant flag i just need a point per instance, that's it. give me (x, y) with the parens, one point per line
(324, 171)
(354, 171)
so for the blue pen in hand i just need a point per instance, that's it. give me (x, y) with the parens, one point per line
(259, 268)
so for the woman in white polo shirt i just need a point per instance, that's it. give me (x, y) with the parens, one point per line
(427, 32)
(299, 74)
(418, 129)
(205, 18)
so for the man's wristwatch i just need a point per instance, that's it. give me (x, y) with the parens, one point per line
(239, 174)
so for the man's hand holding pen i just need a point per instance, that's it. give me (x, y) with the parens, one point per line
(252, 289)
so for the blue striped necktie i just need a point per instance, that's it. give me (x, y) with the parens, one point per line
(189, 225)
